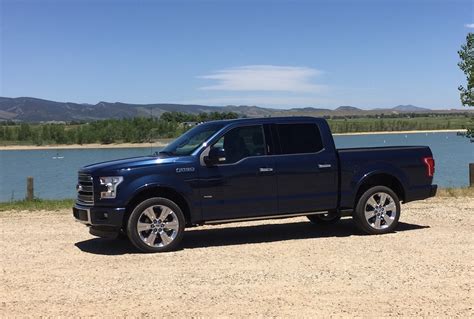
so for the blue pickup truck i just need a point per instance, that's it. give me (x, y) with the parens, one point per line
(249, 169)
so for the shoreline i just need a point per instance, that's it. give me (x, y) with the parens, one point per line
(162, 143)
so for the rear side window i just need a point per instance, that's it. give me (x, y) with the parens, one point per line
(299, 138)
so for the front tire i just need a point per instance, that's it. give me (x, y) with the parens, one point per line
(156, 225)
(377, 211)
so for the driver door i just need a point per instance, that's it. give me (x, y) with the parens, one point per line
(244, 184)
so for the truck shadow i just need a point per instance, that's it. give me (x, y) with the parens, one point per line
(201, 238)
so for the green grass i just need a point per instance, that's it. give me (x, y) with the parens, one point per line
(456, 192)
(37, 204)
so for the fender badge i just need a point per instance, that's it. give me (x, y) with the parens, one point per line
(185, 169)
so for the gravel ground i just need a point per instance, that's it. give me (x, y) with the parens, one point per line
(51, 266)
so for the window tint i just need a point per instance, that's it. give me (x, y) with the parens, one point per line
(299, 138)
(242, 142)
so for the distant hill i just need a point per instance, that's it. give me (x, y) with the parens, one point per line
(30, 109)
(35, 110)
(348, 109)
(410, 108)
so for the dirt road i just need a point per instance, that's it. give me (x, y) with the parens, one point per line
(51, 266)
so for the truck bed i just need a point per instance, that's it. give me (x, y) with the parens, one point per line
(405, 162)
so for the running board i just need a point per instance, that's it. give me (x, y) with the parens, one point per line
(346, 212)
(235, 220)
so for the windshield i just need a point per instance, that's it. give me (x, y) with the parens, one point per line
(191, 140)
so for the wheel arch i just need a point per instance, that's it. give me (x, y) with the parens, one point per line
(380, 179)
(158, 191)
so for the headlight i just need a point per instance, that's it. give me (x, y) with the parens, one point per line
(109, 186)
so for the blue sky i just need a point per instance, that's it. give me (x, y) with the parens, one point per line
(268, 53)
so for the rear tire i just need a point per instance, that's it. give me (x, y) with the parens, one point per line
(329, 218)
(156, 225)
(377, 211)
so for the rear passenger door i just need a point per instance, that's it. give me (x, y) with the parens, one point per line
(306, 170)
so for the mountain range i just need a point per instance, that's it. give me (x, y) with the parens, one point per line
(28, 109)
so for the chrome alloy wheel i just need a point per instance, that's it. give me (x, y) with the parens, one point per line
(380, 210)
(158, 226)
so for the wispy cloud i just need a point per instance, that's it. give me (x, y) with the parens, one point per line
(469, 25)
(265, 78)
(263, 101)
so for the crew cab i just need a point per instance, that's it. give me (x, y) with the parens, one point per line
(248, 169)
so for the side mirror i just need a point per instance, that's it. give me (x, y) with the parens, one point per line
(216, 156)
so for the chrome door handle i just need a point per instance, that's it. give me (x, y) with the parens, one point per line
(265, 169)
(324, 165)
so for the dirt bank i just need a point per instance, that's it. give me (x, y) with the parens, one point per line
(51, 266)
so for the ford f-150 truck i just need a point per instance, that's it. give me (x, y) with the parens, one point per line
(248, 169)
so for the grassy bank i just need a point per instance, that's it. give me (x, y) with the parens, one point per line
(53, 205)
(456, 192)
(37, 204)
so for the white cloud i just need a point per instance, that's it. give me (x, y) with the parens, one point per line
(265, 78)
(264, 101)
(469, 25)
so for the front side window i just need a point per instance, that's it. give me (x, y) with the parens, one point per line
(242, 142)
(299, 138)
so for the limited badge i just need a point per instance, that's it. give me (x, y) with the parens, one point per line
(184, 169)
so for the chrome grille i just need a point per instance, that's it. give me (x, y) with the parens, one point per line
(85, 189)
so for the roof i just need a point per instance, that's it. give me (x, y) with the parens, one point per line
(269, 119)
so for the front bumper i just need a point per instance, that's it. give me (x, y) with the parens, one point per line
(100, 219)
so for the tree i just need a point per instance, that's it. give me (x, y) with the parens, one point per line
(24, 133)
(466, 54)
(467, 66)
(8, 134)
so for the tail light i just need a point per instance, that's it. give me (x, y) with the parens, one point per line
(430, 166)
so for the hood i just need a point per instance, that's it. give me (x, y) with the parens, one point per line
(131, 163)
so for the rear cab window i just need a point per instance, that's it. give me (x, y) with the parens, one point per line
(299, 138)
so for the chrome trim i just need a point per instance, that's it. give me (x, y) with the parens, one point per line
(223, 221)
(206, 152)
(346, 212)
(324, 165)
(85, 184)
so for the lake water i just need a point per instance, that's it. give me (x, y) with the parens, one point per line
(56, 177)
